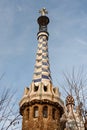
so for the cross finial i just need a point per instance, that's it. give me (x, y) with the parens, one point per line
(43, 11)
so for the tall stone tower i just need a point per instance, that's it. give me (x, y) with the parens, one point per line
(41, 106)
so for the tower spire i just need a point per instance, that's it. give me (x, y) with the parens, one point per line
(41, 106)
(42, 67)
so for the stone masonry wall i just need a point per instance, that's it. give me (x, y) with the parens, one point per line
(51, 122)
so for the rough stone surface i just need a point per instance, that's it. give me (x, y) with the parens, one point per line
(40, 123)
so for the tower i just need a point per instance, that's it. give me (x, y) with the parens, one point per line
(72, 118)
(41, 106)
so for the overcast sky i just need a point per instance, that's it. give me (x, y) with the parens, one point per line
(18, 39)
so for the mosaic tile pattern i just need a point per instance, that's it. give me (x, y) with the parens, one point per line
(42, 66)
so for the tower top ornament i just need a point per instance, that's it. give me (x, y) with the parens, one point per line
(43, 11)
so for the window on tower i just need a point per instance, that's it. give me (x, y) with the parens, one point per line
(54, 90)
(54, 113)
(45, 111)
(36, 88)
(26, 113)
(35, 112)
(45, 88)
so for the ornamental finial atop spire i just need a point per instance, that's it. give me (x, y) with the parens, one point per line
(43, 11)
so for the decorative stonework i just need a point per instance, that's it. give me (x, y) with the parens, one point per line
(72, 119)
(43, 11)
(70, 100)
(41, 122)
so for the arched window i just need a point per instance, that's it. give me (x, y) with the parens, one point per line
(45, 111)
(27, 113)
(36, 88)
(35, 112)
(54, 90)
(45, 88)
(54, 113)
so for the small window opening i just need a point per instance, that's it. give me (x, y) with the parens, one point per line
(54, 90)
(36, 88)
(35, 112)
(27, 113)
(54, 113)
(45, 111)
(45, 88)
